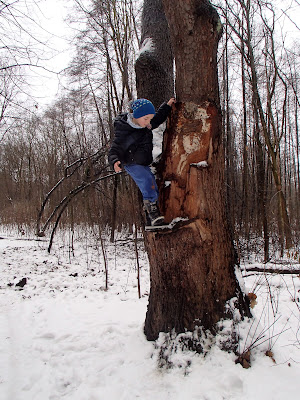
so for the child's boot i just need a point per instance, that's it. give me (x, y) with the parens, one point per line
(153, 216)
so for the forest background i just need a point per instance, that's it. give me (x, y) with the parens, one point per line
(67, 141)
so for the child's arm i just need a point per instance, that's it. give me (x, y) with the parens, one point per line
(162, 113)
(171, 101)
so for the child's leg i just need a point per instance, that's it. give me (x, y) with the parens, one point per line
(145, 180)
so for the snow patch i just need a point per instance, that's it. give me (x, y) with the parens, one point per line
(240, 279)
(200, 164)
(65, 337)
(158, 134)
(176, 220)
(147, 46)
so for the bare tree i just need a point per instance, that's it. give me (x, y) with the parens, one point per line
(22, 49)
(105, 51)
(260, 57)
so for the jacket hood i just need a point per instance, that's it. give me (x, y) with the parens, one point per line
(121, 117)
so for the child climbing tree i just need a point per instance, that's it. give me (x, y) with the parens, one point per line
(191, 266)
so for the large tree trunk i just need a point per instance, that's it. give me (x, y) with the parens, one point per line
(192, 268)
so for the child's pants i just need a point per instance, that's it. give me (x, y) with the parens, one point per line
(145, 180)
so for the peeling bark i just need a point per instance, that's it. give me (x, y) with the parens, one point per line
(192, 268)
(188, 144)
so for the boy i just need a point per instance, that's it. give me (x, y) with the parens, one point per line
(132, 150)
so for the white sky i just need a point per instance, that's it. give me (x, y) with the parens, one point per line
(50, 27)
(55, 13)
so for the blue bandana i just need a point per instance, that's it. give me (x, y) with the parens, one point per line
(142, 107)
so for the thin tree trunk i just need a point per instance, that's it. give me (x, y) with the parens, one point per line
(245, 178)
(297, 162)
(114, 209)
(227, 139)
(261, 187)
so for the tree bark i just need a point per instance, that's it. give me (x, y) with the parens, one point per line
(154, 66)
(192, 267)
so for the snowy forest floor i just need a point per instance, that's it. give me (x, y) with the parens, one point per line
(64, 336)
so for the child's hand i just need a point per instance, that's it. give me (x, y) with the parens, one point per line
(171, 101)
(117, 166)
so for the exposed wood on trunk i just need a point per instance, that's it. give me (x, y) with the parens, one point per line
(188, 148)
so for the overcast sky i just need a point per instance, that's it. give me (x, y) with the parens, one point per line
(50, 26)
(53, 30)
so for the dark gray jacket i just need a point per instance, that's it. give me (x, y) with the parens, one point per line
(132, 145)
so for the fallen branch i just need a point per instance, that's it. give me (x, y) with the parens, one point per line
(273, 270)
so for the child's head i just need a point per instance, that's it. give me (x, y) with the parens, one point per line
(143, 111)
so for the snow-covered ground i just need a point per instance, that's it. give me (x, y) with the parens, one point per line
(63, 336)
